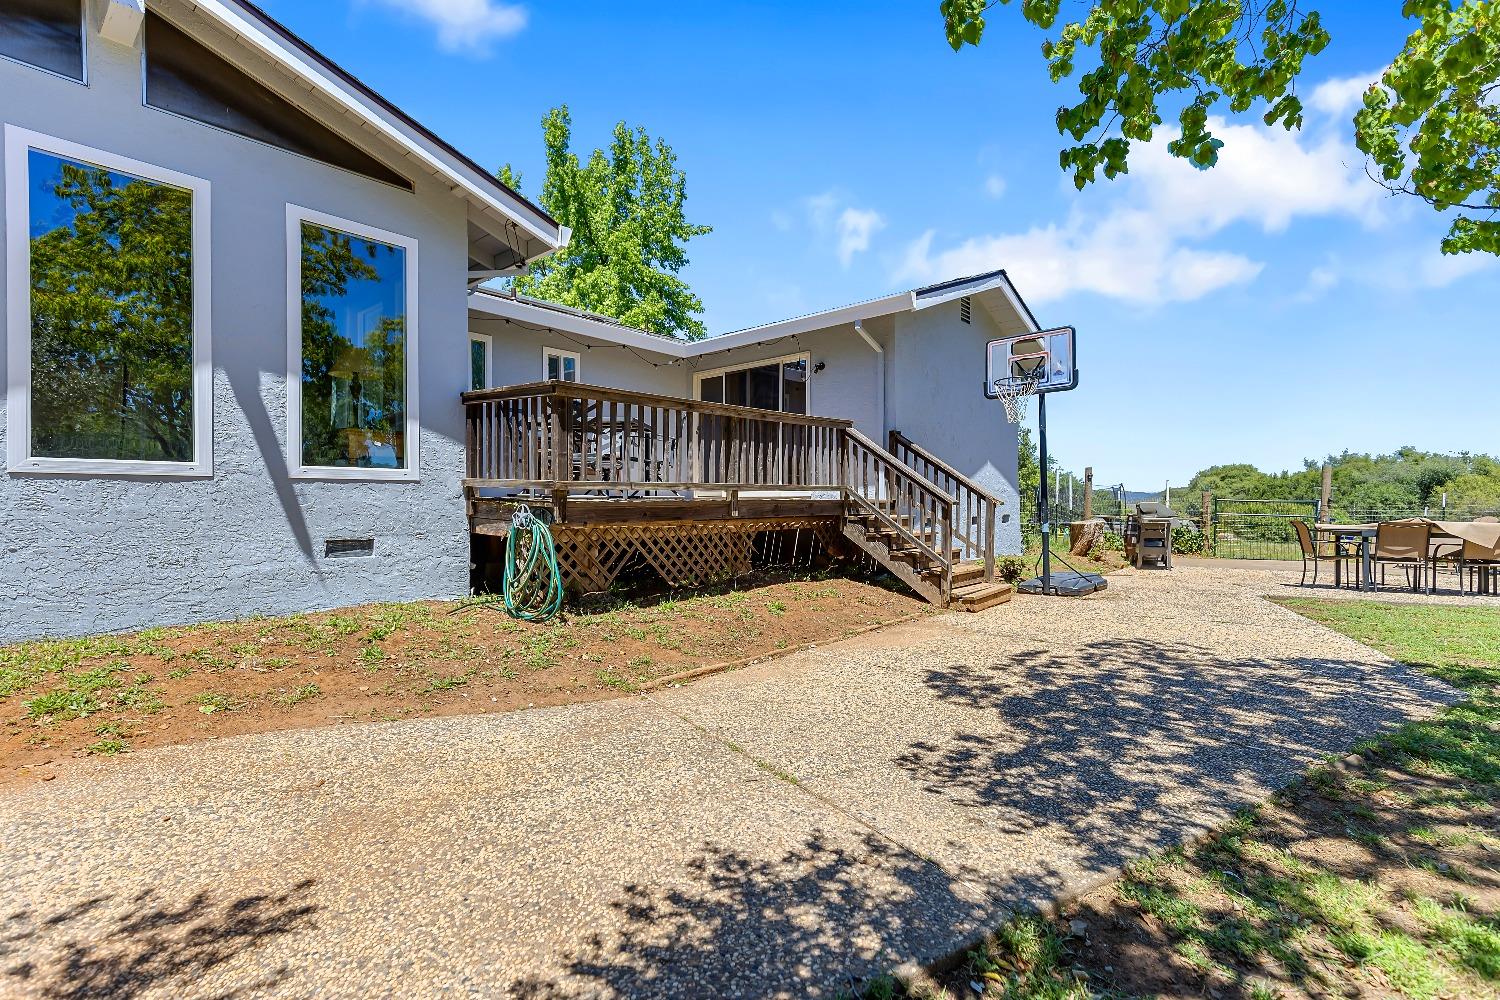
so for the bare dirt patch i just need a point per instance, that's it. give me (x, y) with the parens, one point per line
(110, 695)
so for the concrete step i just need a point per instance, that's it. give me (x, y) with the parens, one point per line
(979, 596)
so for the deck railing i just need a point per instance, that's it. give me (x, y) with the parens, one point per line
(977, 509)
(569, 438)
(564, 435)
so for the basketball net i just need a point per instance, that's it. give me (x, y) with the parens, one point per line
(1016, 395)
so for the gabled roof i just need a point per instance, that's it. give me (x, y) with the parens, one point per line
(255, 42)
(989, 289)
(565, 319)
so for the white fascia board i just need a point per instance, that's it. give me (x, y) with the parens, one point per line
(900, 302)
(436, 159)
(999, 283)
(959, 291)
(495, 306)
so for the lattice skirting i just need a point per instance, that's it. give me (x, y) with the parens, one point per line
(683, 554)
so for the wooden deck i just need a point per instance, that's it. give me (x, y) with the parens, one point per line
(689, 487)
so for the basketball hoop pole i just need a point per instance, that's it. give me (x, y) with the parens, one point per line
(1043, 499)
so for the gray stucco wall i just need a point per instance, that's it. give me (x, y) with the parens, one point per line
(846, 387)
(516, 358)
(87, 554)
(935, 396)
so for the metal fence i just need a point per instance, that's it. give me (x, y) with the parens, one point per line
(1258, 529)
(1241, 529)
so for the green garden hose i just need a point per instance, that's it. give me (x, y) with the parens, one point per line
(532, 586)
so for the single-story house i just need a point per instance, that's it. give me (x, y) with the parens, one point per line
(222, 254)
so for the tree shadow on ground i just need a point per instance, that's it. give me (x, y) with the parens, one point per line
(1118, 747)
(829, 913)
(108, 948)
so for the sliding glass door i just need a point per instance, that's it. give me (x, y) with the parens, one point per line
(771, 385)
(780, 385)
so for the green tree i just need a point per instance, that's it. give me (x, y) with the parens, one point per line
(625, 208)
(1028, 481)
(1430, 127)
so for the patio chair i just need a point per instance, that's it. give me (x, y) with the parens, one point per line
(1313, 554)
(1407, 544)
(1478, 562)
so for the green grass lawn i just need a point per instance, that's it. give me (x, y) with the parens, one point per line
(1378, 881)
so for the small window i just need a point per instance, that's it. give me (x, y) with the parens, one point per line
(110, 333)
(479, 362)
(560, 366)
(47, 34)
(187, 79)
(353, 408)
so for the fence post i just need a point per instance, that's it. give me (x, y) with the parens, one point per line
(1324, 514)
(1208, 518)
(1088, 493)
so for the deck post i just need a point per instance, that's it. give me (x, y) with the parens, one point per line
(989, 541)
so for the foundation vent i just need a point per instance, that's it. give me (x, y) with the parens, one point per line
(348, 548)
(966, 309)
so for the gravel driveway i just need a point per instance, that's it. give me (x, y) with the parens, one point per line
(768, 832)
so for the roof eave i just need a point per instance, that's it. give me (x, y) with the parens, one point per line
(275, 42)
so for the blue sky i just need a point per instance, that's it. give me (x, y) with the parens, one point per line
(1278, 307)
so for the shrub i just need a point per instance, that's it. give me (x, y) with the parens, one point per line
(1012, 569)
(1111, 542)
(1187, 541)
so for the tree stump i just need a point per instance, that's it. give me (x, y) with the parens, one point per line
(1083, 536)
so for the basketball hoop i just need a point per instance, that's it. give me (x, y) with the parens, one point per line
(1020, 367)
(1015, 395)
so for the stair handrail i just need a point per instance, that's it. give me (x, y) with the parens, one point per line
(990, 502)
(943, 505)
(927, 456)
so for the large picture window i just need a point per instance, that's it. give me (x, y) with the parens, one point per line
(353, 397)
(108, 323)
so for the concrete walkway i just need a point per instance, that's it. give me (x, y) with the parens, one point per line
(771, 832)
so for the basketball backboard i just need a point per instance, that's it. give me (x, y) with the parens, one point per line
(1031, 363)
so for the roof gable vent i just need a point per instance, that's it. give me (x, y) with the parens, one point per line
(966, 309)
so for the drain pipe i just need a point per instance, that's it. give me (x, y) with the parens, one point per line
(859, 328)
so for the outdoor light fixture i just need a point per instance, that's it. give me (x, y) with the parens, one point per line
(819, 367)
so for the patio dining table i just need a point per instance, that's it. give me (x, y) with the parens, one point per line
(1485, 535)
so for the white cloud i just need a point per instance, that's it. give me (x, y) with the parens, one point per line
(994, 186)
(855, 227)
(464, 24)
(829, 215)
(1439, 270)
(1142, 246)
(1340, 96)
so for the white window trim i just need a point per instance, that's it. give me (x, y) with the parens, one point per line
(548, 353)
(489, 358)
(18, 142)
(295, 216)
(708, 373)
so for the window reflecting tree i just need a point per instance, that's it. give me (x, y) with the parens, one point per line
(353, 351)
(111, 314)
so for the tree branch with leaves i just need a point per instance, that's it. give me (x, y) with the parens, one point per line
(1430, 126)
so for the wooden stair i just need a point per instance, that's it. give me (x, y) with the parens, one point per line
(913, 527)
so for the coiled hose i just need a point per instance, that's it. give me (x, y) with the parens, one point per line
(532, 586)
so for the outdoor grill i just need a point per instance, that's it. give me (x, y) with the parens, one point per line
(1148, 534)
